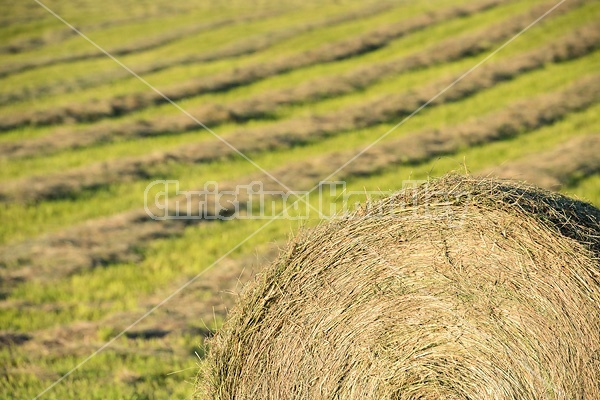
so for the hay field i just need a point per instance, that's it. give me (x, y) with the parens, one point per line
(300, 88)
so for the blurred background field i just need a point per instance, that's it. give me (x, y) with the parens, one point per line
(299, 87)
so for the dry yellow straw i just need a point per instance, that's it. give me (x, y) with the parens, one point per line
(460, 289)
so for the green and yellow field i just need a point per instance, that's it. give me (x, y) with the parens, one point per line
(299, 87)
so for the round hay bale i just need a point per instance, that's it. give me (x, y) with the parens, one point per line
(462, 288)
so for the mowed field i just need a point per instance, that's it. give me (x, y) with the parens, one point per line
(299, 87)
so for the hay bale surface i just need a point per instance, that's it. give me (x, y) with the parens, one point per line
(459, 289)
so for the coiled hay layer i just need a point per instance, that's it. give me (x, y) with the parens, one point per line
(459, 289)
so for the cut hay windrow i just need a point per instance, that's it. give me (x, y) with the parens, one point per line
(30, 43)
(243, 47)
(462, 288)
(191, 314)
(264, 104)
(96, 243)
(301, 131)
(62, 33)
(565, 164)
(145, 44)
(118, 238)
(329, 52)
(515, 119)
(55, 36)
